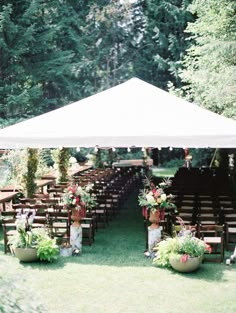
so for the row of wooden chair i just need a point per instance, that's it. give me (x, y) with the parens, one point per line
(50, 212)
(57, 221)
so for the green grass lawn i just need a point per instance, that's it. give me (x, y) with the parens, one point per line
(164, 172)
(114, 276)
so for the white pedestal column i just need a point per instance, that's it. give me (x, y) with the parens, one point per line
(154, 236)
(76, 236)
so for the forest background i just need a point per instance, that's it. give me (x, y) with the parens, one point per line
(55, 52)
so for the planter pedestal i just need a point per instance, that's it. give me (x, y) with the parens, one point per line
(76, 236)
(154, 230)
(76, 230)
(154, 236)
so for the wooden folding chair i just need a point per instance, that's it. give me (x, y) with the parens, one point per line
(88, 234)
(230, 236)
(214, 236)
(59, 221)
(9, 227)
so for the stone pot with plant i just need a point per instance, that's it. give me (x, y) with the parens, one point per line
(31, 244)
(184, 252)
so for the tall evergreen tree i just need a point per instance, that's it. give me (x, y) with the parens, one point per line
(158, 56)
(16, 89)
(109, 38)
(36, 72)
(209, 76)
(54, 52)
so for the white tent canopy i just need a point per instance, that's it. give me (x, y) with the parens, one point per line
(133, 113)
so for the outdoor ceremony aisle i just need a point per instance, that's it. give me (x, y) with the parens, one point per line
(122, 241)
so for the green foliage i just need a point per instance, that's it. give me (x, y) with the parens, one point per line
(61, 158)
(163, 44)
(63, 164)
(209, 75)
(16, 161)
(177, 247)
(173, 163)
(47, 250)
(135, 153)
(201, 157)
(30, 176)
(46, 157)
(38, 238)
(52, 53)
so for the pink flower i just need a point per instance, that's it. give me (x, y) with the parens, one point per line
(208, 248)
(184, 258)
(77, 200)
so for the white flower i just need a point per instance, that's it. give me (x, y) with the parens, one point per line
(150, 198)
(88, 187)
(79, 190)
(163, 197)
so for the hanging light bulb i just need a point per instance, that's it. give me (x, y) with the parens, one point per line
(170, 148)
(96, 149)
(128, 149)
(78, 149)
(159, 148)
(143, 149)
(113, 149)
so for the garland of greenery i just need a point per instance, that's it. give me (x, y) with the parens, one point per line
(63, 164)
(30, 176)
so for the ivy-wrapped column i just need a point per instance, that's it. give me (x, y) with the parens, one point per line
(30, 176)
(63, 164)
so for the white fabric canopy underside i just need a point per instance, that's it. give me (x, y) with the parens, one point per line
(134, 113)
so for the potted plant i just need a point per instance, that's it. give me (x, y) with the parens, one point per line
(30, 244)
(184, 252)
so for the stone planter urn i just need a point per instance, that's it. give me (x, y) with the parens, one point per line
(26, 254)
(191, 265)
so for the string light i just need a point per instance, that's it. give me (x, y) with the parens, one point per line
(113, 149)
(170, 148)
(128, 149)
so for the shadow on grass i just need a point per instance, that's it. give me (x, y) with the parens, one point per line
(206, 272)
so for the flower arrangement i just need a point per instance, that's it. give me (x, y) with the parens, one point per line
(78, 197)
(154, 197)
(181, 248)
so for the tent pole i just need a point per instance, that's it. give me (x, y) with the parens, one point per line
(213, 158)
